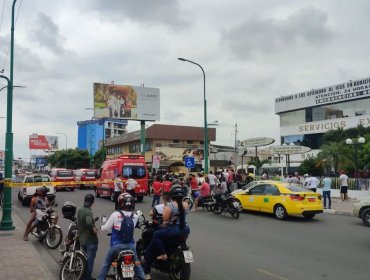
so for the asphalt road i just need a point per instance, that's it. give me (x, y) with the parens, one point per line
(256, 246)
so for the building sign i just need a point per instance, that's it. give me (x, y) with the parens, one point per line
(333, 94)
(179, 153)
(324, 126)
(257, 142)
(43, 142)
(289, 149)
(126, 102)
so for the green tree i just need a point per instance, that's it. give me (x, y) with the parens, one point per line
(310, 166)
(336, 154)
(75, 158)
(100, 157)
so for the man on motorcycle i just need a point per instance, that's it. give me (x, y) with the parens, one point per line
(174, 225)
(157, 211)
(204, 190)
(126, 203)
(38, 202)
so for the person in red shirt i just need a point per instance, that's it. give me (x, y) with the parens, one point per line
(204, 190)
(167, 184)
(193, 183)
(157, 191)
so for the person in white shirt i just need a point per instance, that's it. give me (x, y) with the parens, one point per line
(343, 178)
(131, 185)
(313, 183)
(306, 180)
(118, 189)
(213, 181)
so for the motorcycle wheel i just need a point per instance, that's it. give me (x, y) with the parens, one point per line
(78, 268)
(53, 237)
(178, 269)
(235, 213)
(140, 250)
(217, 209)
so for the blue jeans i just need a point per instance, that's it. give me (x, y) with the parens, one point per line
(156, 246)
(326, 194)
(110, 257)
(156, 200)
(90, 250)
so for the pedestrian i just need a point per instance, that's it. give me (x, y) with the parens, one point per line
(313, 182)
(343, 179)
(212, 180)
(167, 184)
(88, 233)
(118, 189)
(326, 187)
(131, 185)
(193, 183)
(157, 191)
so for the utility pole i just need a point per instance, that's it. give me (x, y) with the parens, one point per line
(236, 147)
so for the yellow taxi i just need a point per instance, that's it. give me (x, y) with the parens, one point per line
(280, 199)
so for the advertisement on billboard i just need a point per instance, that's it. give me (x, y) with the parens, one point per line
(179, 153)
(43, 142)
(337, 93)
(126, 102)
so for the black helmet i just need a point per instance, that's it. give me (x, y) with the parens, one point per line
(177, 191)
(69, 210)
(42, 191)
(126, 201)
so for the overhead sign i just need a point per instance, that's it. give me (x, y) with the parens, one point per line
(189, 162)
(337, 93)
(43, 142)
(126, 102)
(289, 149)
(257, 142)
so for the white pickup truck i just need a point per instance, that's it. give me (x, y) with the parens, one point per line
(26, 193)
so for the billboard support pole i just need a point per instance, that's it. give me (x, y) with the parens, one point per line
(6, 220)
(142, 137)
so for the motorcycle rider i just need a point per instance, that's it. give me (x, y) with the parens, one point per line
(174, 225)
(204, 190)
(38, 202)
(157, 211)
(126, 203)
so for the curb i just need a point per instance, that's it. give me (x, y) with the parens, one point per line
(337, 212)
(20, 227)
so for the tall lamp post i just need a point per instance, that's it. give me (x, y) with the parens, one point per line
(6, 220)
(355, 142)
(65, 159)
(205, 114)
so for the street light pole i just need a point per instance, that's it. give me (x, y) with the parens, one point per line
(205, 114)
(65, 159)
(6, 221)
(355, 142)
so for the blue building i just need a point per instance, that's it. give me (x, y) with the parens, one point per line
(92, 132)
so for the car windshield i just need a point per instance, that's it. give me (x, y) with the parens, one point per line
(135, 172)
(251, 184)
(295, 188)
(37, 179)
(65, 173)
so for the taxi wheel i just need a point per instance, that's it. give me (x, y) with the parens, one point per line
(280, 212)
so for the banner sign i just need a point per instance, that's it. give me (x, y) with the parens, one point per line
(333, 94)
(289, 149)
(126, 102)
(43, 142)
(257, 142)
(156, 161)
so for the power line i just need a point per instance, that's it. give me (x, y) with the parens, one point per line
(16, 19)
(2, 16)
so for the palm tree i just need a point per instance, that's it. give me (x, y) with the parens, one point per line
(335, 154)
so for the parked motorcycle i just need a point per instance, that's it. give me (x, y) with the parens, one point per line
(47, 229)
(74, 260)
(179, 256)
(226, 203)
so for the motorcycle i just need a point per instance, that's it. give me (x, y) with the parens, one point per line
(206, 203)
(47, 229)
(74, 261)
(227, 203)
(179, 256)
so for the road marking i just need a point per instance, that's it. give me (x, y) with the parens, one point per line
(272, 274)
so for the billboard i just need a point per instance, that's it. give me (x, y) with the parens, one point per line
(126, 102)
(350, 90)
(43, 142)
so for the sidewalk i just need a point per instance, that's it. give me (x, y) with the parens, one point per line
(343, 208)
(19, 260)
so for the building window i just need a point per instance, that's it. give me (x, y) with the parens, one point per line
(176, 141)
(190, 142)
(201, 142)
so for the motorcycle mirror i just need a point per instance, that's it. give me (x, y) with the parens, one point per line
(139, 213)
(103, 219)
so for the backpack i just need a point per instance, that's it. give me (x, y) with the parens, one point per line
(126, 233)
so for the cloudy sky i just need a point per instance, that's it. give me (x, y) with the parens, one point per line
(252, 51)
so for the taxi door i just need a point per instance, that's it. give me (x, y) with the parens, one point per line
(271, 196)
(252, 198)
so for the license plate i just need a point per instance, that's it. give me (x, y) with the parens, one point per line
(236, 204)
(128, 271)
(188, 256)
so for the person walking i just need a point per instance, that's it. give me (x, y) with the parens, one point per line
(118, 189)
(313, 183)
(88, 233)
(343, 179)
(157, 191)
(326, 188)
(213, 181)
(131, 185)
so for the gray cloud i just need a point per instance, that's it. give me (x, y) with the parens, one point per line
(306, 26)
(142, 11)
